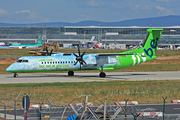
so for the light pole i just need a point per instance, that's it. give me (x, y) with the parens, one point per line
(44, 33)
(44, 29)
(105, 37)
(100, 31)
(164, 98)
(84, 36)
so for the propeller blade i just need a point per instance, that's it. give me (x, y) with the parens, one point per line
(83, 54)
(75, 55)
(84, 62)
(76, 63)
(78, 50)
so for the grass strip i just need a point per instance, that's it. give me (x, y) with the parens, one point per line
(145, 92)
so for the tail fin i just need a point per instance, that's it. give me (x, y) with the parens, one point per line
(39, 42)
(151, 42)
(92, 38)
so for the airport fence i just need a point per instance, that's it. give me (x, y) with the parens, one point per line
(102, 108)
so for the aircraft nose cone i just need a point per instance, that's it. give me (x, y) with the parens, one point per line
(10, 68)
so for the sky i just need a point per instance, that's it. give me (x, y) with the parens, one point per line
(73, 11)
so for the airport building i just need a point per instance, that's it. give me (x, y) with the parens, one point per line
(81, 34)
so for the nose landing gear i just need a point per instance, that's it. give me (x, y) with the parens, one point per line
(15, 75)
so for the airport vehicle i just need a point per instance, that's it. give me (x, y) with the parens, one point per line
(178, 48)
(2, 44)
(81, 61)
(20, 46)
(43, 48)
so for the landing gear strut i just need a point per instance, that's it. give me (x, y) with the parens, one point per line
(15, 75)
(70, 73)
(102, 74)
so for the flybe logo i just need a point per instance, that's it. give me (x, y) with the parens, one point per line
(153, 44)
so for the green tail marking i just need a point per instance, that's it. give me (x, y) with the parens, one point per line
(39, 42)
(151, 43)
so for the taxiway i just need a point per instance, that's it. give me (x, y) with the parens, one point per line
(84, 77)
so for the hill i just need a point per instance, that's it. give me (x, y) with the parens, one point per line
(164, 21)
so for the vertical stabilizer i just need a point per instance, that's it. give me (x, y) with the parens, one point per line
(39, 42)
(92, 38)
(151, 42)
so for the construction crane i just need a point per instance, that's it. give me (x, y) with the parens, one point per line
(44, 48)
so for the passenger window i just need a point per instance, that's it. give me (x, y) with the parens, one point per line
(68, 61)
(44, 62)
(50, 62)
(63, 62)
(47, 62)
(55, 62)
(71, 61)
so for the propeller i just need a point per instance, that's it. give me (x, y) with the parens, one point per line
(79, 58)
(49, 53)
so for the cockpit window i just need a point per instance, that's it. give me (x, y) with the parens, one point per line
(20, 61)
(25, 60)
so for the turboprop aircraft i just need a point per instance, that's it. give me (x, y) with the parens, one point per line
(19, 45)
(101, 61)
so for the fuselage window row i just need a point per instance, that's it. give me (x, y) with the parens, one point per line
(59, 62)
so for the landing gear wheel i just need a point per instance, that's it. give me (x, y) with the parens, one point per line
(70, 73)
(102, 74)
(15, 75)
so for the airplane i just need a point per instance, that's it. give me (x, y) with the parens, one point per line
(91, 41)
(20, 46)
(81, 61)
(95, 43)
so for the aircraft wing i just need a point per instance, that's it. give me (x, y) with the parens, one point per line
(115, 54)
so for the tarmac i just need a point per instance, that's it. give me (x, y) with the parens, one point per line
(88, 77)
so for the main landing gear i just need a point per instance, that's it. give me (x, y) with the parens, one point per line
(15, 75)
(70, 73)
(102, 74)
